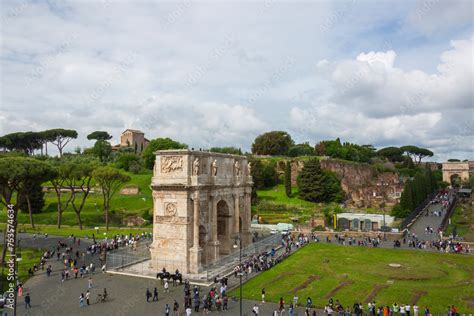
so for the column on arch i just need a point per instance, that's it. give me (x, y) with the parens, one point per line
(236, 213)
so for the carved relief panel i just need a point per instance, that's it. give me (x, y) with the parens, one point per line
(171, 164)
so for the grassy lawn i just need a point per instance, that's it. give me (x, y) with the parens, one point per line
(354, 274)
(30, 257)
(275, 207)
(92, 215)
(462, 218)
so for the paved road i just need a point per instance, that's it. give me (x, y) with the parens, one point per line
(426, 219)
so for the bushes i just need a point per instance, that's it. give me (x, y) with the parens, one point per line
(277, 207)
(399, 212)
(129, 162)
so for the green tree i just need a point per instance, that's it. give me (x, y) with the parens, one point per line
(393, 154)
(12, 174)
(80, 183)
(270, 176)
(16, 177)
(99, 135)
(61, 137)
(304, 149)
(102, 150)
(416, 153)
(317, 186)
(288, 178)
(26, 142)
(346, 151)
(159, 144)
(35, 173)
(36, 198)
(275, 143)
(110, 180)
(126, 160)
(419, 185)
(399, 212)
(227, 150)
(63, 173)
(407, 199)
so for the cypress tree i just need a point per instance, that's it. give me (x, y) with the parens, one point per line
(288, 179)
(407, 199)
(311, 182)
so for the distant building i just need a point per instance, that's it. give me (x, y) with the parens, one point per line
(134, 139)
(463, 169)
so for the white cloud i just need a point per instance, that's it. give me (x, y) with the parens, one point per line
(221, 73)
(373, 101)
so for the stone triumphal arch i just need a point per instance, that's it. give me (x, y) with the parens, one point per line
(201, 202)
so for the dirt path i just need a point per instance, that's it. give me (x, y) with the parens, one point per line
(374, 292)
(308, 281)
(338, 288)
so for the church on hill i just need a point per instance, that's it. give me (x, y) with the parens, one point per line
(132, 138)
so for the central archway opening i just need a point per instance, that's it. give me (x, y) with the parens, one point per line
(224, 227)
(222, 219)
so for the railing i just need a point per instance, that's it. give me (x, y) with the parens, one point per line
(127, 256)
(414, 214)
(229, 262)
(449, 213)
(138, 260)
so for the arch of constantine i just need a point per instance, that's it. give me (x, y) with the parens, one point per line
(201, 203)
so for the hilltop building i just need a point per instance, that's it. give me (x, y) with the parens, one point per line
(132, 138)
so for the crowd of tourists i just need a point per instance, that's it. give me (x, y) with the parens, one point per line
(334, 307)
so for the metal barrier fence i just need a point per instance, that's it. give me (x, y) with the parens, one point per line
(449, 213)
(138, 260)
(228, 263)
(127, 256)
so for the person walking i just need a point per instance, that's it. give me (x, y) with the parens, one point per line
(155, 295)
(263, 296)
(166, 286)
(167, 310)
(89, 283)
(88, 295)
(81, 300)
(148, 295)
(176, 308)
(282, 306)
(27, 301)
(255, 310)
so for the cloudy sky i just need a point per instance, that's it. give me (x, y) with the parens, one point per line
(220, 73)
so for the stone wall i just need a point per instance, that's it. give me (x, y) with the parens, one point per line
(361, 182)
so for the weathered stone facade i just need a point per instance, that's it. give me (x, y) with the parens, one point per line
(362, 184)
(201, 203)
(463, 169)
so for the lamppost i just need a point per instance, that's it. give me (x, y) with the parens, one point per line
(383, 206)
(238, 238)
